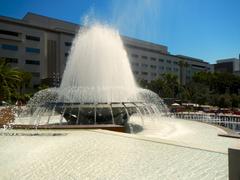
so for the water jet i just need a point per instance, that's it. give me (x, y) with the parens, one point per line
(97, 88)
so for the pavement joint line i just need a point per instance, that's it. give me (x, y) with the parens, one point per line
(157, 140)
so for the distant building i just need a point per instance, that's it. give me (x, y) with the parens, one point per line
(189, 66)
(230, 65)
(40, 45)
(37, 44)
(149, 61)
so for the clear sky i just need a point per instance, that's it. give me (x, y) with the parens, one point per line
(206, 29)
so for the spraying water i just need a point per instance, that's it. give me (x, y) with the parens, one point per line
(97, 67)
(98, 86)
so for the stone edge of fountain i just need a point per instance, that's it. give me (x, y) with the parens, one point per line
(110, 127)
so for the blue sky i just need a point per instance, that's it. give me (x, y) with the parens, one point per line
(206, 29)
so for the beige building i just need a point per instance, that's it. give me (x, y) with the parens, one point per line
(41, 45)
(230, 65)
(150, 60)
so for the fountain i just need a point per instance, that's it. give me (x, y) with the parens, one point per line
(97, 87)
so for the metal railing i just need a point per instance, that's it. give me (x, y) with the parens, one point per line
(226, 120)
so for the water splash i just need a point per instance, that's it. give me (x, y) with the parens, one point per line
(98, 86)
(98, 65)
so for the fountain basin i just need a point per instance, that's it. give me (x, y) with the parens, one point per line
(81, 115)
(111, 127)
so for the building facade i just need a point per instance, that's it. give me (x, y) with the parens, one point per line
(149, 61)
(41, 45)
(230, 65)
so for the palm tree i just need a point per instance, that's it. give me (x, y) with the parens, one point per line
(171, 84)
(25, 79)
(11, 79)
(182, 65)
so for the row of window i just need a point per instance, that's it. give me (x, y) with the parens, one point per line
(28, 37)
(32, 38)
(32, 62)
(68, 44)
(15, 48)
(28, 61)
(9, 47)
(146, 73)
(11, 60)
(35, 74)
(9, 33)
(154, 59)
(16, 34)
(155, 67)
(32, 50)
(171, 69)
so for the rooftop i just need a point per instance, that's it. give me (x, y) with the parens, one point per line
(227, 60)
(191, 58)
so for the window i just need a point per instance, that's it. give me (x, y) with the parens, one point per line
(135, 64)
(33, 62)
(153, 74)
(35, 74)
(144, 57)
(175, 62)
(32, 50)
(169, 61)
(32, 38)
(175, 69)
(11, 60)
(68, 44)
(153, 59)
(9, 33)
(144, 65)
(135, 72)
(153, 66)
(135, 55)
(169, 69)
(161, 67)
(144, 49)
(66, 54)
(161, 60)
(144, 73)
(9, 47)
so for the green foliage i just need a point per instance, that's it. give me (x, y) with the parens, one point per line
(12, 81)
(219, 89)
(42, 86)
(165, 86)
(222, 89)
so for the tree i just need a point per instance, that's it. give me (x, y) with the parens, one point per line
(235, 100)
(224, 101)
(165, 86)
(9, 78)
(219, 89)
(223, 88)
(12, 80)
(182, 65)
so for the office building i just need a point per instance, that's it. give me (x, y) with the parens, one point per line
(41, 45)
(230, 65)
